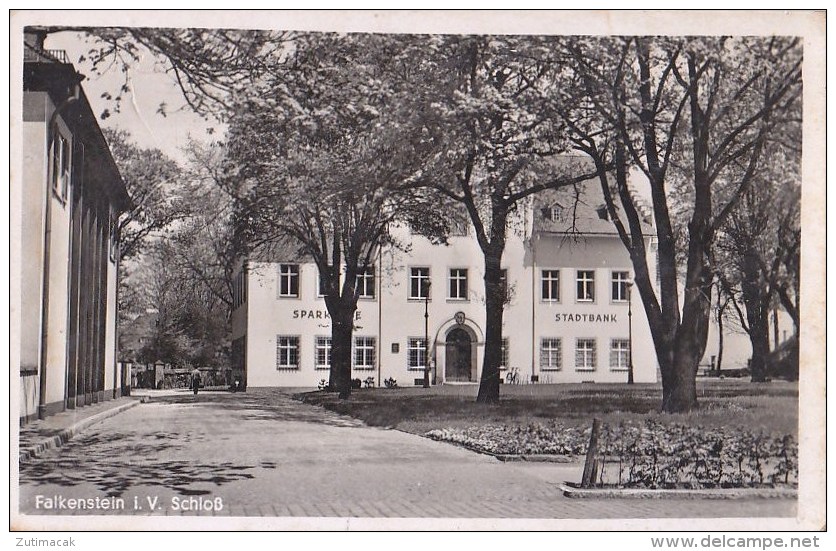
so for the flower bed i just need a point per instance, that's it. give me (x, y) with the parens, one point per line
(650, 454)
(534, 438)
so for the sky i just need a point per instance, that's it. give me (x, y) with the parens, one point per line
(149, 86)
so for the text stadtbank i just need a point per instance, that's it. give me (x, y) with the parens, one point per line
(589, 318)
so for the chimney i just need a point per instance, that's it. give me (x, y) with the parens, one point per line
(34, 37)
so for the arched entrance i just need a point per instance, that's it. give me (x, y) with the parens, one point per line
(458, 358)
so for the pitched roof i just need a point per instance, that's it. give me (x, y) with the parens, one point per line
(581, 209)
(48, 71)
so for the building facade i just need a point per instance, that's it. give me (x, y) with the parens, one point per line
(72, 196)
(567, 316)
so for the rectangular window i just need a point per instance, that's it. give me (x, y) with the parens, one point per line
(364, 349)
(620, 286)
(585, 354)
(505, 353)
(458, 283)
(417, 354)
(320, 285)
(323, 353)
(365, 283)
(550, 354)
(288, 280)
(551, 285)
(287, 352)
(619, 354)
(114, 237)
(586, 285)
(61, 166)
(419, 283)
(240, 288)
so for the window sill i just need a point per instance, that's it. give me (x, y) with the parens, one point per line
(585, 369)
(288, 368)
(550, 369)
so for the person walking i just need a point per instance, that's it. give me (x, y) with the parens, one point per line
(195, 380)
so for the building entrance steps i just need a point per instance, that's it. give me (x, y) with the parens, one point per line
(44, 434)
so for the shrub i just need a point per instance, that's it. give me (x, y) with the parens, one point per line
(356, 384)
(369, 382)
(390, 383)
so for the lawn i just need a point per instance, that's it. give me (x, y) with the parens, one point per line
(742, 435)
(768, 407)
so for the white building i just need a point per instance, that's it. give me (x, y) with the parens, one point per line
(71, 197)
(566, 319)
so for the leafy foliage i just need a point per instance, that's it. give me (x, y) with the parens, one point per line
(321, 163)
(151, 178)
(364, 121)
(694, 116)
(178, 292)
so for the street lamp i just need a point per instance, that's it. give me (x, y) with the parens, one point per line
(427, 335)
(630, 332)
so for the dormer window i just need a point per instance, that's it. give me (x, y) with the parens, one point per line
(553, 212)
(602, 212)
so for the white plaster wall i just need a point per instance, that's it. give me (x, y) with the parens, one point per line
(29, 385)
(603, 254)
(305, 317)
(111, 368)
(56, 352)
(403, 318)
(32, 219)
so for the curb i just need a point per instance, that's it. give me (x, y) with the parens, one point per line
(633, 493)
(68, 433)
(536, 458)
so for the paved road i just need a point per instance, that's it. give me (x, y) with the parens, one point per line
(264, 454)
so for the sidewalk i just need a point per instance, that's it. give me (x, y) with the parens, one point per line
(44, 434)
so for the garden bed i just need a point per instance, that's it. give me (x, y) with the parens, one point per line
(648, 455)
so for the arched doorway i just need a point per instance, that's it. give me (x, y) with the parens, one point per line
(458, 358)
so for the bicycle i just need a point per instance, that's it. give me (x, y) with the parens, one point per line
(513, 376)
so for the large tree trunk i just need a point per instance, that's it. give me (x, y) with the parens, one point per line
(495, 294)
(720, 335)
(342, 330)
(759, 337)
(679, 389)
(757, 315)
(776, 329)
